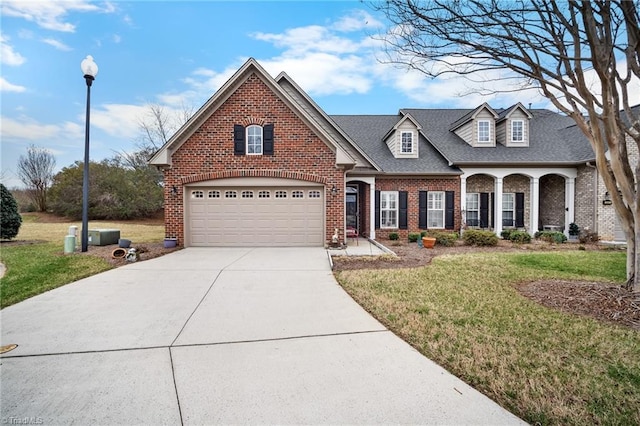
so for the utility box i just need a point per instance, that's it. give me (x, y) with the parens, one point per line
(103, 237)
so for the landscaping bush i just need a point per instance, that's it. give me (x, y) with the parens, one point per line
(506, 234)
(413, 237)
(476, 237)
(574, 229)
(424, 233)
(10, 219)
(519, 237)
(588, 237)
(443, 238)
(393, 236)
(551, 236)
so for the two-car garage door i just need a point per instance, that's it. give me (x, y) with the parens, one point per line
(255, 215)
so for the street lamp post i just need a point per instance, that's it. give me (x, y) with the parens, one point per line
(90, 70)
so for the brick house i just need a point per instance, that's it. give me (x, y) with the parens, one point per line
(261, 164)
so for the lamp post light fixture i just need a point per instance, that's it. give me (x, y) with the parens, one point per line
(89, 70)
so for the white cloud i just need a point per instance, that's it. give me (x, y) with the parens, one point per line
(118, 120)
(57, 44)
(26, 128)
(314, 38)
(116, 38)
(356, 21)
(8, 55)
(50, 14)
(5, 86)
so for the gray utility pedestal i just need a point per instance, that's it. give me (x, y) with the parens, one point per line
(103, 237)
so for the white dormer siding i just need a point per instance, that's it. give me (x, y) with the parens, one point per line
(479, 129)
(403, 140)
(513, 130)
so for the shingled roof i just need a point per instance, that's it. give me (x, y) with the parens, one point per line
(368, 132)
(553, 140)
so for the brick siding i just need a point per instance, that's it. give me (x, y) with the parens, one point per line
(208, 154)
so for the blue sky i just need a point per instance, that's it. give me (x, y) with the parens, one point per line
(177, 53)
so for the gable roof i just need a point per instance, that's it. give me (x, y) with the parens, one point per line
(507, 112)
(554, 140)
(471, 115)
(163, 156)
(368, 132)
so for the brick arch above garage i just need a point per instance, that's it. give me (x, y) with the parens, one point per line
(281, 174)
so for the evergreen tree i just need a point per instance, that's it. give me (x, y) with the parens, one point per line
(11, 219)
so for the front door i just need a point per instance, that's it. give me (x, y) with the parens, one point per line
(351, 202)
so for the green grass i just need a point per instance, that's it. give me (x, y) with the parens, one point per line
(41, 265)
(545, 366)
(35, 268)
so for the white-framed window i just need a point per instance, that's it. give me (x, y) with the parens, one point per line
(254, 140)
(230, 194)
(517, 131)
(247, 194)
(484, 131)
(314, 194)
(388, 209)
(435, 209)
(406, 142)
(281, 194)
(264, 194)
(472, 216)
(297, 194)
(508, 209)
(197, 194)
(213, 194)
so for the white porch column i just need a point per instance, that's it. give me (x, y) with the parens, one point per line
(372, 208)
(569, 202)
(497, 226)
(463, 201)
(535, 205)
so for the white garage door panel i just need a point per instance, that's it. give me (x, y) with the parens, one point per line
(255, 221)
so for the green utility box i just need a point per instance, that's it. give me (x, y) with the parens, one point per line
(103, 237)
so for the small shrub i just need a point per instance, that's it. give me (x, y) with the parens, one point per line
(551, 236)
(519, 237)
(423, 233)
(588, 237)
(506, 234)
(443, 238)
(413, 237)
(476, 237)
(574, 229)
(393, 236)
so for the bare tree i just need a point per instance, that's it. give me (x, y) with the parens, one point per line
(35, 170)
(551, 46)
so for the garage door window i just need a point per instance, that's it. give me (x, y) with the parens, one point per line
(247, 194)
(281, 194)
(214, 194)
(264, 194)
(197, 194)
(230, 194)
(297, 194)
(314, 194)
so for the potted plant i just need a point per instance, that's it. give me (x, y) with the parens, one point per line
(574, 231)
(170, 242)
(428, 242)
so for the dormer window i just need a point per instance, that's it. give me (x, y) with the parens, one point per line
(406, 143)
(517, 131)
(484, 131)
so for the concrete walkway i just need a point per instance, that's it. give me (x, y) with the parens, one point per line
(211, 336)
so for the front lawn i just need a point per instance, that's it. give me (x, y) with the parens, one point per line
(35, 261)
(548, 367)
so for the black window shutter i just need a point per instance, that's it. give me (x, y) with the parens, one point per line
(422, 209)
(267, 139)
(519, 209)
(238, 139)
(377, 224)
(402, 214)
(493, 210)
(449, 209)
(484, 209)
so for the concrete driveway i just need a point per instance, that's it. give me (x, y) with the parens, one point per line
(210, 336)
